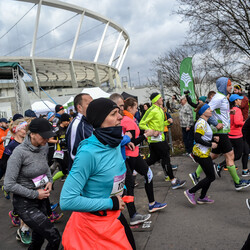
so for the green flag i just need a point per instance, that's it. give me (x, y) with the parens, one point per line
(186, 78)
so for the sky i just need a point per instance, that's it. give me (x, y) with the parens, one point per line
(151, 25)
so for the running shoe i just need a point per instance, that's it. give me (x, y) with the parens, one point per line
(190, 197)
(217, 169)
(139, 218)
(245, 173)
(242, 184)
(174, 167)
(14, 219)
(205, 200)
(194, 178)
(6, 194)
(248, 203)
(54, 206)
(192, 157)
(157, 206)
(178, 184)
(167, 178)
(24, 237)
(55, 217)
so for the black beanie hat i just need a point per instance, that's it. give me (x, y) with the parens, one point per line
(17, 116)
(65, 117)
(154, 95)
(98, 110)
(58, 108)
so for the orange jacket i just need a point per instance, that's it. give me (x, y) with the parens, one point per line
(3, 133)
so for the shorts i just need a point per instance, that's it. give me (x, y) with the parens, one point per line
(224, 145)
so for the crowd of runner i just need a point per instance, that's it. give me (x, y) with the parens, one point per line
(95, 152)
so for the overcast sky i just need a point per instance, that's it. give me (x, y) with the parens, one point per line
(152, 28)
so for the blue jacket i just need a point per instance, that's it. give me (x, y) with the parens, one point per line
(98, 172)
(126, 139)
(81, 131)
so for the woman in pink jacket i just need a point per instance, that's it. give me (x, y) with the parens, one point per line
(236, 124)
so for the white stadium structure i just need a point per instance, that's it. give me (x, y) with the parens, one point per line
(66, 69)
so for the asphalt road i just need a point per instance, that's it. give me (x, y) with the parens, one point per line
(223, 225)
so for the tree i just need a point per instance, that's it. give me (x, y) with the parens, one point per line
(218, 24)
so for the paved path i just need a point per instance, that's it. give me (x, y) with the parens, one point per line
(223, 225)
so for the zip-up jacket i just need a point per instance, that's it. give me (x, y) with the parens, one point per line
(237, 123)
(154, 118)
(3, 133)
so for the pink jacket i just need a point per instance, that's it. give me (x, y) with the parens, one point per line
(236, 122)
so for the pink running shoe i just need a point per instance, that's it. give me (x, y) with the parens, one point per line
(55, 217)
(190, 197)
(14, 219)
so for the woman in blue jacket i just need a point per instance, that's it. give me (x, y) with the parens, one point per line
(95, 184)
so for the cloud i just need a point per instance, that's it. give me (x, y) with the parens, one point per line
(152, 28)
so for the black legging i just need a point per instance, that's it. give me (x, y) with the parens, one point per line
(245, 154)
(160, 151)
(34, 214)
(237, 145)
(140, 166)
(130, 183)
(204, 184)
(128, 231)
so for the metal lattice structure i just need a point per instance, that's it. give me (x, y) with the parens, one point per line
(46, 70)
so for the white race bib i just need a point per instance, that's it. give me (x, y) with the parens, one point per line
(157, 138)
(118, 185)
(58, 155)
(41, 180)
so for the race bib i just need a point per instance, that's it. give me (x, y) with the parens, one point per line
(41, 180)
(58, 155)
(118, 185)
(156, 138)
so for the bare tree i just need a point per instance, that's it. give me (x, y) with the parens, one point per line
(169, 65)
(218, 24)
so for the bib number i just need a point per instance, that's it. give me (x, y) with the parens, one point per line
(157, 138)
(58, 155)
(41, 180)
(118, 185)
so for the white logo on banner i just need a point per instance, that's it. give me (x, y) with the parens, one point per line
(185, 77)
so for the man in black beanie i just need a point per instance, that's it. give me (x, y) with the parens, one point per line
(159, 150)
(59, 110)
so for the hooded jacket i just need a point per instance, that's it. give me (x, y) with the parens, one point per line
(98, 172)
(26, 163)
(220, 106)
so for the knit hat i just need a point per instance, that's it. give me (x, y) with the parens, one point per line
(65, 117)
(237, 86)
(29, 113)
(155, 97)
(42, 127)
(49, 115)
(58, 108)
(17, 116)
(203, 98)
(98, 110)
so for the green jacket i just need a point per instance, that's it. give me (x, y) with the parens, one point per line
(154, 118)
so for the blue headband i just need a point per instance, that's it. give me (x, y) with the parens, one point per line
(203, 109)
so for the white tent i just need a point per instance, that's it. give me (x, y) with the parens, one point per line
(43, 107)
(95, 93)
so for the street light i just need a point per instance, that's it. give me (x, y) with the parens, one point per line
(129, 76)
(139, 78)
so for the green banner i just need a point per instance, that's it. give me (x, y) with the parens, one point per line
(186, 78)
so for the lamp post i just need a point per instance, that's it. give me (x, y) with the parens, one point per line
(139, 78)
(129, 77)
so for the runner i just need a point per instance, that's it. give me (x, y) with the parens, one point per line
(79, 129)
(28, 177)
(159, 149)
(93, 189)
(220, 107)
(201, 151)
(134, 160)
